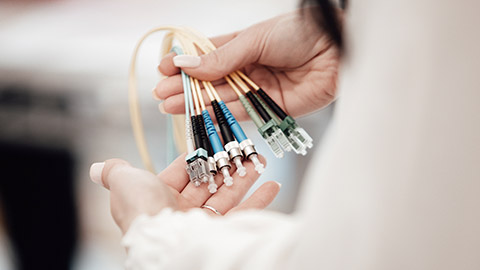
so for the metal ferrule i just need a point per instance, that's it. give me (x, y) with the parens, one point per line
(222, 160)
(212, 167)
(248, 147)
(233, 149)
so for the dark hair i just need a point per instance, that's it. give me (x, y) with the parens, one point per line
(325, 14)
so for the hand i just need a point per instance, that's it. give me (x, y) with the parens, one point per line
(293, 61)
(135, 191)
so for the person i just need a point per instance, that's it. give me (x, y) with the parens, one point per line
(396, 184)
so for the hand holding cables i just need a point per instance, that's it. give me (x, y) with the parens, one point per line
(277, 127)
(299, 72)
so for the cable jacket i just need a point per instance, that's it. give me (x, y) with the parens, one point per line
(232, 122)
(204, 137)
(196, 133)
(212, 133)
(281, 113)
(227, 134)
(258, 106)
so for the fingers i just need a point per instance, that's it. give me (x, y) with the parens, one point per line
(219, 41)
(228, 197)
(100, 171)
(115, 170)
(175, 175)
(166, 66)
(261, 198)
(133, 191)
(241, 50)
(170, 86)
(173, 85)
(173, 104)
(198, 195)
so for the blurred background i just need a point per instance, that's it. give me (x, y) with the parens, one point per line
(63, 106)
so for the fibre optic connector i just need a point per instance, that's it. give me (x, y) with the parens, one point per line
(250, 152)
(223, 164)
(197, 166)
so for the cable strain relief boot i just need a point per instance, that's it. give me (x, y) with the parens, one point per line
(263, 113)
(203, 135)
(196, 132)
(227, 134)
(274, 106)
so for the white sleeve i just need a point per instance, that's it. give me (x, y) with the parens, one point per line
(195, 240)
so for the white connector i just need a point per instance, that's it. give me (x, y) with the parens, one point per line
(241, 170)
(212, 187)
(259, 167)
(227, 179)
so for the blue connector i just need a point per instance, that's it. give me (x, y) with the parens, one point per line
(246, 145)
(220, 156)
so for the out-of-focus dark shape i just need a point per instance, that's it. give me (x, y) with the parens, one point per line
(37, 179)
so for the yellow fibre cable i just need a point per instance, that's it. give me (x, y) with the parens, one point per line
(167, 44)
(195, 98)
(214, 92)
(240, 83)
(207, 90)
(234, 87)
(135, 114)
(199, 94)
(247, 79)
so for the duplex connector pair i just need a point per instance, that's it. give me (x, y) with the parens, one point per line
(197, 167)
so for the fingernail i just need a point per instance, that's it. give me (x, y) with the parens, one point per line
(96, 172)
(154, 94)
(279, 184)
(188, 61)
(161, 108)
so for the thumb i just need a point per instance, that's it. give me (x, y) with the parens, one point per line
(104, 173)
(242, 50)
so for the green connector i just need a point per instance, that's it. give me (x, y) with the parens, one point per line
(251, 111)
(269, 111)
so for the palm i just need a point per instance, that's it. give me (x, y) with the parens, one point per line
(302, 90)
(135, 191)
(226, 199)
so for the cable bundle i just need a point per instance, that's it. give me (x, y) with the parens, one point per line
(207, 155)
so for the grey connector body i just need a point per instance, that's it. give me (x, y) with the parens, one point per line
(197, 166)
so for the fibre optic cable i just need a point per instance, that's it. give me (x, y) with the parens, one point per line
(197, 166)
(230, 144)
(295, 138)
(220, 155)
(269, 129)
(198, 121)
(199, 126)
(295, 134)
(246, 145)
(257, 120)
